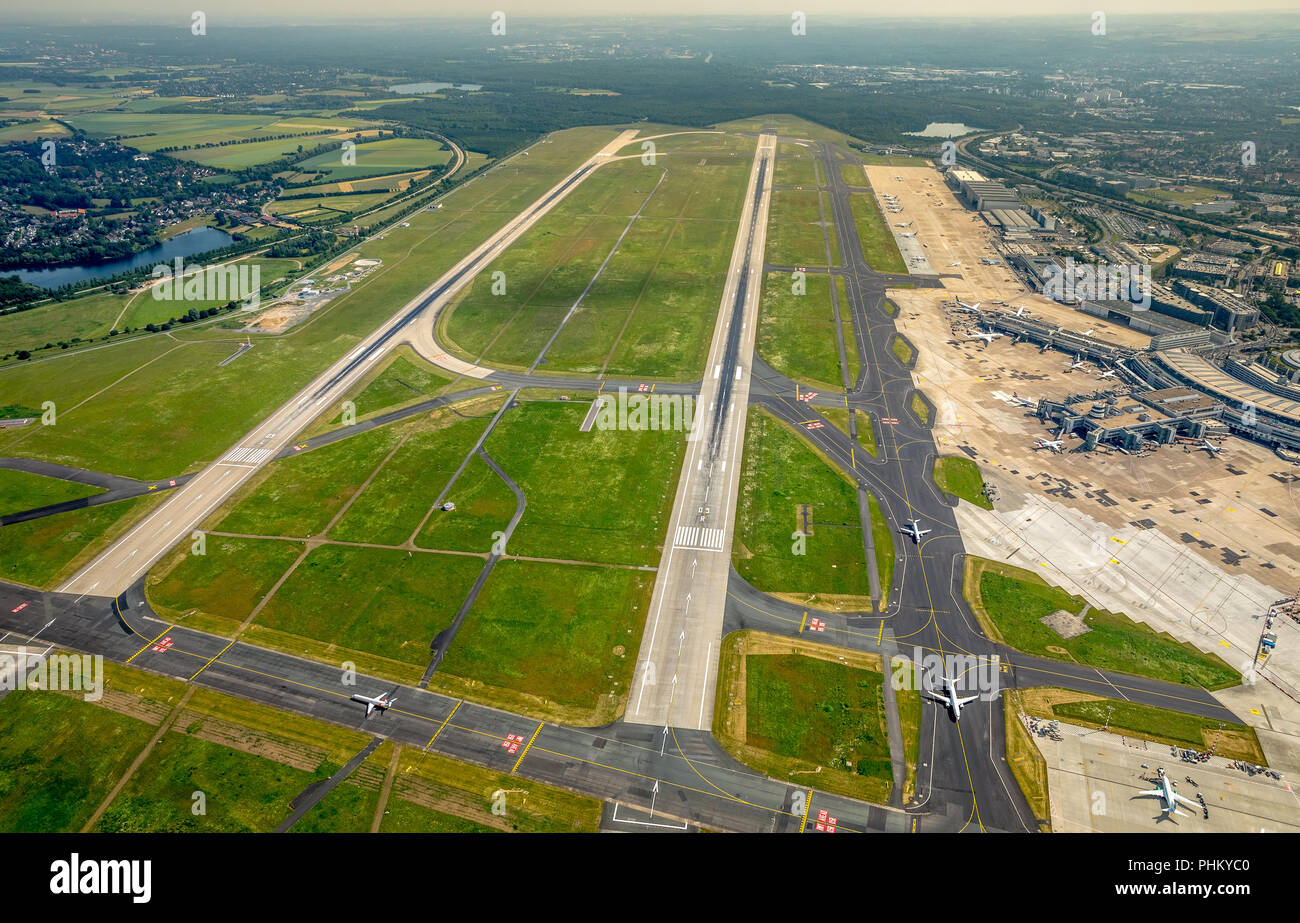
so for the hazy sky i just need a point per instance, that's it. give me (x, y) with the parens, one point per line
(167, 11)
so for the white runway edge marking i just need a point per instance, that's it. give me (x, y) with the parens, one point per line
(698, 538)
(246, 455)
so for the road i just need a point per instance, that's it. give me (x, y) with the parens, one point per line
(674, 681)
(119, 565)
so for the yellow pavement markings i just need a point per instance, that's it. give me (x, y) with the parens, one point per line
(807, 806)
(148, 644)
(881, 636)
(443, 726)
(802, 622)
(528, 747)
(214, 657)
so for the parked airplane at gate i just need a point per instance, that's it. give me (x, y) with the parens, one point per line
(1053, 444)
(987, 337)
(1169, 799)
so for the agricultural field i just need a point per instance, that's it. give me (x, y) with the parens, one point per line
(375, 158)
(1010, 603)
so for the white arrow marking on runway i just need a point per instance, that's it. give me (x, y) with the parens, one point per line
(654, 793)
(92, 586)
(693, 563)
(665, 743)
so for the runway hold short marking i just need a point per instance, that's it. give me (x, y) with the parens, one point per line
(20, 608)
(246, 456)
(815, 425)
(825, 823)
(512, 742)
(643, 387)
(807, 396)
(162, 645)
(891, 421)
(698, 538)
(816, 625)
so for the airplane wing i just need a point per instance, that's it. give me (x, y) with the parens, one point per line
(1186, 801)
(937, 696)
(1154, 793)
(370, 706)
(963, 700)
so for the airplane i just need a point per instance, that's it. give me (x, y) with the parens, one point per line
(914, 529)
(987, 337)
(910, 234)
(1078, 363)
(969, 307)
(1169, 799)
(958, 263)
(1109, 373)
(988, 262)
(950, 698)
(1019, 311)
(383, 701)
(1053, 444)
(1210, 447)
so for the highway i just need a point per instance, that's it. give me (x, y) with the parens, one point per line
(675, 677)
(119, 565)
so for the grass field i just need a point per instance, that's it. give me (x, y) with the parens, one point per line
(902, 349)
(217, 590)
(796, 333)
(59, 757)
(1012, 601)
(598, 496)
(42, 552)
(20, 490)
(878, 246)
(651, 310)
(550, 640)
(1233, 741)
(866, 431)
(795, 165)
(961, 477)
(392, 155)
(1026, 761)
(780, 473)
(795, 706)
(920, 408)
(372, 600)
(795, 234)
(112, 409)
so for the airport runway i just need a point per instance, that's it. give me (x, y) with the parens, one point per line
(675, 677)
(119, 565)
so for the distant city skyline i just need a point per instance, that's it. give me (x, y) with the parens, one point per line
(251, 11)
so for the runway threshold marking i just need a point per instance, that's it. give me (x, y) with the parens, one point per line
(528, 747)
(209, 662)
(443, 726)
(150, 644)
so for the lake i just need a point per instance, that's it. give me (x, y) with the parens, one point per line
(430, 86)
(188, 243)
(943, 130)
